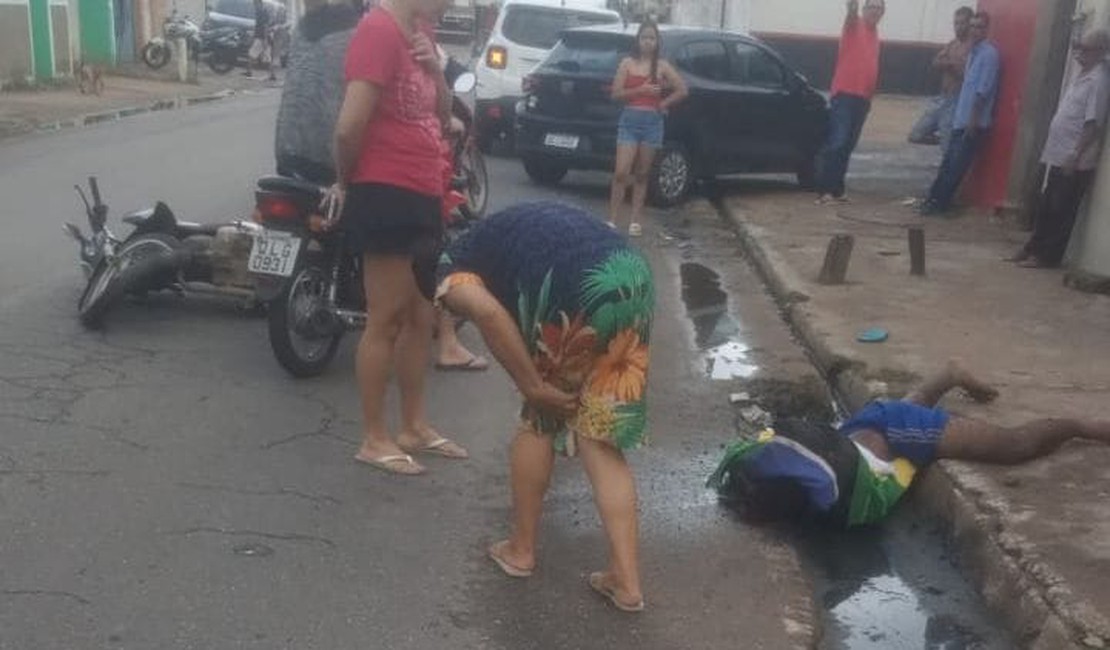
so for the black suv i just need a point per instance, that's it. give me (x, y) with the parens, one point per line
(747, 112)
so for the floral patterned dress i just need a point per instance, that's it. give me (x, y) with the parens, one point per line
(583, 299)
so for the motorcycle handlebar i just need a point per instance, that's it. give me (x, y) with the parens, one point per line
(95, 190)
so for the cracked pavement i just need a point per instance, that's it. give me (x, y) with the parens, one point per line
(163, 484)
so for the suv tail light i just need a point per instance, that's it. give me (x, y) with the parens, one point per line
(497, 57)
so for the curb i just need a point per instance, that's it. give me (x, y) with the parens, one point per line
(166, 104)
(1033, 602)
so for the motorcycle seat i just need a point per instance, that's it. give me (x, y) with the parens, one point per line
(290, 185)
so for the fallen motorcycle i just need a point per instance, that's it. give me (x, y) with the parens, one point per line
(160, 253)
(309, 275)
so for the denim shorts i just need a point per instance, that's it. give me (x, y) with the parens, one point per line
(640, 126)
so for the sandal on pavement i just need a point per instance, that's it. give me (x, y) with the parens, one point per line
(440, 447)
(597, 583)
(510, 570)
(474, 364)
(402, 464)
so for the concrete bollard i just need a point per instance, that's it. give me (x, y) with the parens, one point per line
(917, 251)
(837, 257)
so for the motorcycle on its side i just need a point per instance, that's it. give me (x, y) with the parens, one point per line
(308, 274)
(158, 52)
(160, 253)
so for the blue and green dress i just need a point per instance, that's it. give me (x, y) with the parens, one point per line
(583, 299)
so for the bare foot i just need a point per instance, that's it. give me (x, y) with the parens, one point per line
(605, 584)
(514, 564)
(978, 390)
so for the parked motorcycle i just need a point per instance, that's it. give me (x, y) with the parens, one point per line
(307, 273)
(160, 253)
(224, 48)
(158, 52)
(471, 176)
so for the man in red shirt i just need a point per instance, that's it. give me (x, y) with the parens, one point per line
(857, 73)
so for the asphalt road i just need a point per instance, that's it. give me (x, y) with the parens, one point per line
(163, 484)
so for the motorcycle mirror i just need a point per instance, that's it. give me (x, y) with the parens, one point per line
(465, 83)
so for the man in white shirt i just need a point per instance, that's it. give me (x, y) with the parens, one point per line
(1071, 154)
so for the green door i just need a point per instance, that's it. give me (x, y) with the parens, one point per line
(42, 39)
(98, 31)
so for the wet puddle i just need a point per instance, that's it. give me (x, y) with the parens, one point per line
(895, 588)
(717, 334)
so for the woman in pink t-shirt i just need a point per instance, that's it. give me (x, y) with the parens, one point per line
(387, 150)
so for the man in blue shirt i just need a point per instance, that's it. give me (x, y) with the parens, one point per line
(973, 118)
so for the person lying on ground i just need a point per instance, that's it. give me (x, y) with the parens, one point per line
(855, 476)
(565, 305)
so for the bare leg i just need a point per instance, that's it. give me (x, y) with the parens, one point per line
(622, 178)
(954, 375)
(641, 171)
(389, 285)
(413, 349)
(451, 350)
(969, 439)
(615, 495)
(532, 460)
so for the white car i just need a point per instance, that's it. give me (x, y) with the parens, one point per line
(524, 34)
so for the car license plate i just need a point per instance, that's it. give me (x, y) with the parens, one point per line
(274, 253)
(561, 141)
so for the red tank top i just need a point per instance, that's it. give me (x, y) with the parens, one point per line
(633, 81)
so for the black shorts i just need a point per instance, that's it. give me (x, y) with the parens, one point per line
(388, 220)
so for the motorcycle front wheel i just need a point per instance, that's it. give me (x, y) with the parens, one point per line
(474, 172)
(134, 267)
(156, 55)
(302, 345)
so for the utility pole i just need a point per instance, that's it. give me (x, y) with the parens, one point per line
(724, 13)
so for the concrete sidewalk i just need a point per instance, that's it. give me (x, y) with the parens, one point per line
(126, 92)
(1035, 539)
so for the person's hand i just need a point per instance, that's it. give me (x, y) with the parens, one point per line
(653, 90)
(424, 52)
(332, 203)
(548, 399)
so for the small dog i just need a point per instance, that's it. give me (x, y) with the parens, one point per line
(89, 79)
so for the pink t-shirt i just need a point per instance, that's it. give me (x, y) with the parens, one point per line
(857, 64)
(401, 146)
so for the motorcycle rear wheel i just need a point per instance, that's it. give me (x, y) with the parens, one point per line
(221, 64)
(156, 55)
(134, 267)
(301, 356)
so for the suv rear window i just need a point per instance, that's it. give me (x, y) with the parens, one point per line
(540, 27)
(588, 54)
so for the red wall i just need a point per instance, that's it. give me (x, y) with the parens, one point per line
(1013, 23)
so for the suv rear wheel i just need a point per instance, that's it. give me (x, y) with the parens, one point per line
(672, 176)
(545, 171)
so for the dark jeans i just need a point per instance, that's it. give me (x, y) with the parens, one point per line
(1056, 213)
(957, 160)
(847, 113)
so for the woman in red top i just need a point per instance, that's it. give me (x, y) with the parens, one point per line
(387, 150)
(648, 86)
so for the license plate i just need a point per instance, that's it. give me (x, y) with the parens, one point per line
(561, 141)
(274, 253)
